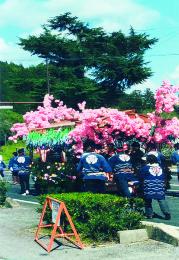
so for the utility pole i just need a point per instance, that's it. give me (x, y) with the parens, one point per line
(0, 82)
(47, 76)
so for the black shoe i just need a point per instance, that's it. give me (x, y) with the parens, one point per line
(149, 217)
(167, 216)
(155, 215)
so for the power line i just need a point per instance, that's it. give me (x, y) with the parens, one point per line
(110, 57)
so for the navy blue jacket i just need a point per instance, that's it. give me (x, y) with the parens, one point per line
(2, 166)
(120, 163)
(160, 157)
(91, 163)
(175, 157)
(13, 164)
(153, 181)
(23, 162)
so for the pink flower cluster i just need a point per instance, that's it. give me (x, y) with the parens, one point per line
(104, 125)
(44, 116)
(166, 97)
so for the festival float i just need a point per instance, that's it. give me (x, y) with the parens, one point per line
(54, 128)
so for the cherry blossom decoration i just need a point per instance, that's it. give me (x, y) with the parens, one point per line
(105, 125)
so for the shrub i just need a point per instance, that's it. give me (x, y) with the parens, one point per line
(167, 150)
(53, 177)
(98, 217)
(3, 190)
(9, 148)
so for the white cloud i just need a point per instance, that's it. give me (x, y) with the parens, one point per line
(175, 74)
(121, 14)
(143, 86)
(30, 14)
(26, 18)
(11, 52)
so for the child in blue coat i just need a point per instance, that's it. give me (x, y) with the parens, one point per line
(13, 167)
(152, 180)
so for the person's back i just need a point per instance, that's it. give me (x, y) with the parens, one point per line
(136, 156)
(92, 167)
(121, 163)
(92, 163)
(175, 154)
(152, 150)
(23, 162)
(123, 172)
(152, 180)
(13, 167)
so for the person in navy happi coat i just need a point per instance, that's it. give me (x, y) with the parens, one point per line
(92, 167)
(123, 172)
(152, 179)
(152, 149)
(23, 162)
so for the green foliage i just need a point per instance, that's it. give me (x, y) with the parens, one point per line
(73, 91)
(142, 102)
(115, 61)
(7, 119)
(7, 150)
(167, 150)
(3, 190)
(23, 84)
(98, 217)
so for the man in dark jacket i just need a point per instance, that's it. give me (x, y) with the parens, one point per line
(123, 171)
(23, 163)
(136, 157)
(93, 167)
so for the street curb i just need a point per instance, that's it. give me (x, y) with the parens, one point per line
(27, 201)
(162, 232)
(132, 236)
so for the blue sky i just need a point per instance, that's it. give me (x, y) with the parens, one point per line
(20, 18)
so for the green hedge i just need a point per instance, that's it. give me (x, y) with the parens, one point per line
(98, 217)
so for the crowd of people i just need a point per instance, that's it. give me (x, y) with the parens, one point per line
(135, 170)
(128, 167)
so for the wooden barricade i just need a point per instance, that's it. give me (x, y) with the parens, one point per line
(58, 208)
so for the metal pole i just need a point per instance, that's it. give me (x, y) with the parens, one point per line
(5, 139)
(0, 82)
(47, 76)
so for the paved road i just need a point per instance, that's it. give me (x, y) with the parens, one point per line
(14, 190)
(18, 226)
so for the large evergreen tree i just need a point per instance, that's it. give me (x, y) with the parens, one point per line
(115, 61)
